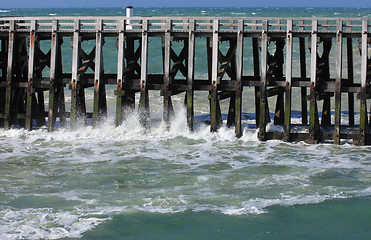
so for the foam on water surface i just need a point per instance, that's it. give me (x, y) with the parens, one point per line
(64, 183)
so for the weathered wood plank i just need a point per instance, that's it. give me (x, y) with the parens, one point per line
(75, 69)
(288, 81)
(144, 98)
(214, 78)
(31, 64)
(98, 72)
(350, 75)
(9, 76)
(313, 114)
(53, 65)
(120, 71)
(338, 76)
(190, 75)
(239, 69)
(167, 65)
(363, 125)
(303, 75)
(263, 83)
(256, 62)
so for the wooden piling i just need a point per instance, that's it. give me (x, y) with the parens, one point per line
(363, 125)
(167, 65)
(313, 114)
(75, 67)
(53, 66)
(239, 72)
(289, 46)
(98, 109)
(120, 71)
(144, 98)
(31, 60)
(214, 78)
(190, 75)
(9, 75)
(350, 76)
(338, 76)
(263, 83)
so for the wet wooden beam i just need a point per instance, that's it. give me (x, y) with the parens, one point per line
(313, 113)
(167, 64)
(338, 76)
(363, 125)
(263, 82)
(303, 75)
(190, 74)
(214, 78)
(120, 72)
(144, 98)
(239, 72)
(75, 69)
(9, 75)
(288, 81)
(98, 109)
(350, 76)
(256, 62)
(31, 63)
(53, 66)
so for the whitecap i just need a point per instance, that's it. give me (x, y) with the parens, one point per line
(44, 224)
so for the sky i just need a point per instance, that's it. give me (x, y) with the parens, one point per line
(187, 3)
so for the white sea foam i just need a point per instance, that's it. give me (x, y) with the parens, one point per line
(96, 173)
(44, 224)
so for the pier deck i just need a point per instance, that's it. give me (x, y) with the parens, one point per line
(327, 75)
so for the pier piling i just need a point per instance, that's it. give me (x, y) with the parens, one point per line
(281, 54)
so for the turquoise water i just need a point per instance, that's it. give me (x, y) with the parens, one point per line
(128, 182)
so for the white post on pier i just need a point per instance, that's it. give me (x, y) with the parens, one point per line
(129, 14)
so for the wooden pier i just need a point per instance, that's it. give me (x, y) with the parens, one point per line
(23, 79)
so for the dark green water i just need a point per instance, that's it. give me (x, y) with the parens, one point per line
(334, 219)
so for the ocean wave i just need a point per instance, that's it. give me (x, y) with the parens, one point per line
(47, 223)
(44, 224)
(89, 175)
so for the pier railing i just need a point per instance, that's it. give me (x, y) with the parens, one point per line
(23, 81)
(182, 24)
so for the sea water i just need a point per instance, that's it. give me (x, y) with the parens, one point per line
(130, 182)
